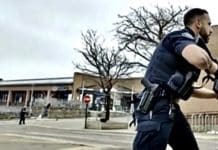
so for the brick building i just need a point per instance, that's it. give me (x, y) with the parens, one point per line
(121, 92)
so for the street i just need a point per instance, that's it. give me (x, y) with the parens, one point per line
(15, 137)
(68, 134)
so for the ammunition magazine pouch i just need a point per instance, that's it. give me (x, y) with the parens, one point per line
(182, 85)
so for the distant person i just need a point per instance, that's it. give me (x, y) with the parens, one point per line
(23, 114)
(135, 103)
(45, 110)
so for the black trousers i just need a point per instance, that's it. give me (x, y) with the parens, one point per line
(22, 120)
(156, 133)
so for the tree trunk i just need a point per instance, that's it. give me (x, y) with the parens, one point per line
(107, 116)
(107, 108)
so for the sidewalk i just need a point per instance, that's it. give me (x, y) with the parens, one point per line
(70, 124)
(78, 124)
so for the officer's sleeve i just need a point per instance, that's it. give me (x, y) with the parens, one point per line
(181, 42)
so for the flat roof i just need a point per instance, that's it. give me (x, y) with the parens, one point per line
(40, 81)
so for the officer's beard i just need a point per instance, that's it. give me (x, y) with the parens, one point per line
(205, 38)
(204, 35)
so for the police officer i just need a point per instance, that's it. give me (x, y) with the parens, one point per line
(164, 123)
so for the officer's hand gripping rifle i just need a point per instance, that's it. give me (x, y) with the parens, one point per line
(202, 44)
(215, 84)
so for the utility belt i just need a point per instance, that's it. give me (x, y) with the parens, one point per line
(154, 117)
(164, 92)
(164, 98)
(178, 86)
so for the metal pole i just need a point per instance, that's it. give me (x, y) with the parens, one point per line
(81, 96)
(86, 115)
(132, 102)
(31, 101)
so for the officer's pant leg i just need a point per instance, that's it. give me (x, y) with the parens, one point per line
(182, 137)
(23, 120)
(154, 136)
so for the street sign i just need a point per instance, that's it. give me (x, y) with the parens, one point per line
(86, 99)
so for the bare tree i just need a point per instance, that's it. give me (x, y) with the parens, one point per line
(141, 30)
(107, 64)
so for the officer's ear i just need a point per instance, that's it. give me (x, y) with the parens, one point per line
(198, 22)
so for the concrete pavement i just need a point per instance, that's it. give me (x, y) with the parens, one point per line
(78, 124)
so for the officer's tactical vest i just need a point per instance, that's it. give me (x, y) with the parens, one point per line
(165, 62)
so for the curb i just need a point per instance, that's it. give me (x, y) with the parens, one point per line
(206, 136)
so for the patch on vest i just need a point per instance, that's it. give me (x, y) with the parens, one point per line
(187, 35)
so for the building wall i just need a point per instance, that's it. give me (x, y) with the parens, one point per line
(21, 94)
(34, 87)
(133, 84)
(82, 80)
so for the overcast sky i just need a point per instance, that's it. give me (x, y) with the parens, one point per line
(37, 37)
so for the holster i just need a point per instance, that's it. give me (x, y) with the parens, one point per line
(147, 100)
